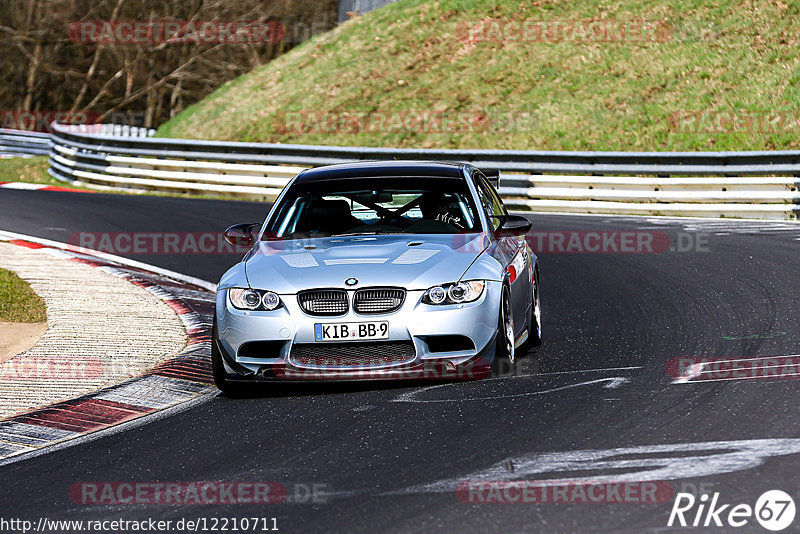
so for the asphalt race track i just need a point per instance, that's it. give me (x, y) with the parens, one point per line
(392, 457)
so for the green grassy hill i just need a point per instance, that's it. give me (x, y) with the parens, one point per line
(703, 77)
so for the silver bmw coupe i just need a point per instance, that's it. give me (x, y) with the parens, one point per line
(377, 270)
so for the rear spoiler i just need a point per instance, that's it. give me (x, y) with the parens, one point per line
(494, 177)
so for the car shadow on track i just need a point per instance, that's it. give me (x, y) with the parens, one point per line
(303, 389)
(272, 389)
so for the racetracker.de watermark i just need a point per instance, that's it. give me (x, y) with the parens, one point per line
(40, 121)
(138, 32)
(599, 242)
(581, 242)
(616, 242)
(560, 492)
(403, 121)
(767, 367)
(156, 243)
(546, 242)
(60, 368)
(734, 122)
(340, 368)
(565, 30)
(201, 492)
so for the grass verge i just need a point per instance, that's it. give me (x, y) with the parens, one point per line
(30, 170)
(18, 302)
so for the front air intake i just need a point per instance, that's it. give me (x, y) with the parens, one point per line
(323, 302)
(374, 301)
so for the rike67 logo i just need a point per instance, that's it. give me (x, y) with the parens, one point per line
(774, 510)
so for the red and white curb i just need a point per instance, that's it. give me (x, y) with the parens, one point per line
(179, 380)
(39, 187)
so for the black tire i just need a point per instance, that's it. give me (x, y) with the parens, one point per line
(504, 344)
(535, 319)
(218, 369)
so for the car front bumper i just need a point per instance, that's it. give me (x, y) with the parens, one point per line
(416, 324)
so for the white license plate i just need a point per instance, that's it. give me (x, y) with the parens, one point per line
(351, 331)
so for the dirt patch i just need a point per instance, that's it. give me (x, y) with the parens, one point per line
(16, 338)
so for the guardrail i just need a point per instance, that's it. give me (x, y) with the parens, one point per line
(113, 130)
(20, 142)
(729, 184)
(23, 142)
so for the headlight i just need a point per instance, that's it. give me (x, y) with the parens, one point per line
(270, 300)
(253, 299)
(456, 293)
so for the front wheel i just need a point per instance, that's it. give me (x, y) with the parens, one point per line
(504, 347)
(535, 322)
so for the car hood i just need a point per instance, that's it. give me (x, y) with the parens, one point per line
(409, 261)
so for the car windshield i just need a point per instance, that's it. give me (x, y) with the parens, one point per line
(368, 206)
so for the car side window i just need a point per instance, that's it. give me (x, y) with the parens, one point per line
(490, 201)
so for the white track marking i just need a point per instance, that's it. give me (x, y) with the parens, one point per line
(699, 460)
(409, 395)
(729, 227)
(529, 375)
(612, 383)
(706, 380)
(600, 370)
(694, 371)
(617, 382)
(23, 185)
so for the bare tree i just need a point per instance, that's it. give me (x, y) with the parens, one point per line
(49, 63)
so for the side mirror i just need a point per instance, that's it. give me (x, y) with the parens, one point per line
(242, 234)
(513, 225)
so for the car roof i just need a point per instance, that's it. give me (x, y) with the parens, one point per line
(383, 169)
